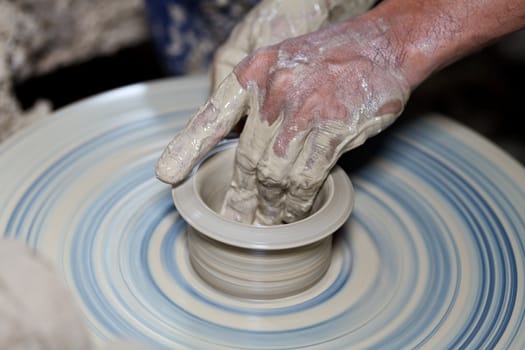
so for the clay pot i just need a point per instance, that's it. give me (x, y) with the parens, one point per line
(257, 262)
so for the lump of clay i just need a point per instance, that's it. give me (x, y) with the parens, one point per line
(36, 310)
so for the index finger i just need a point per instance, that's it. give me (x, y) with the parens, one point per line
(206, 128)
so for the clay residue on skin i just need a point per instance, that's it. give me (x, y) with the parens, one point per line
(273, 21)
(308, 100)
(270, 22)
(210, 124)
(315, 97)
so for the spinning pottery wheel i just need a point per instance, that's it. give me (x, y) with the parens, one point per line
(432, 256)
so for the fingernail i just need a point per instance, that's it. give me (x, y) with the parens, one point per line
(174, 163)
(166, 170)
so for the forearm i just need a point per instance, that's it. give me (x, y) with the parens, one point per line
(430, 34)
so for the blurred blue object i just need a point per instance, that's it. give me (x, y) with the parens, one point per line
(186, 32)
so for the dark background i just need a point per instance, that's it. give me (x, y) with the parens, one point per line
(483, 91)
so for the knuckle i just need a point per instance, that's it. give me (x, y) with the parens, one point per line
(244, 161)
(391, 107)
(296, 209)
(256, 64)
(270, 193)
(305, 186)
(268, 176)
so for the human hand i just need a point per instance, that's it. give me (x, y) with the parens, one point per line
(273, 21)
(308, 99)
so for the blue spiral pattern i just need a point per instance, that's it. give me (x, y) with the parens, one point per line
(432, 256)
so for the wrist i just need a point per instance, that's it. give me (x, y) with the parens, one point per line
(373, 37)
(430, 34)
(413, 51)
(425, 39)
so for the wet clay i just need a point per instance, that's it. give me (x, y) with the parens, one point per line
(308, 100)
(212, 122)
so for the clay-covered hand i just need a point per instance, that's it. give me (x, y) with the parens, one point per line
(273, 21)
(308, 100)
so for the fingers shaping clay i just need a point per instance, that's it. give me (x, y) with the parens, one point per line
(250, 261)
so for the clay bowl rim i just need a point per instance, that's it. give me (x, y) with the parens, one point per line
(325, 221)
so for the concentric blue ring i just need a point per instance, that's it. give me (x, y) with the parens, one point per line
(432, 256)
